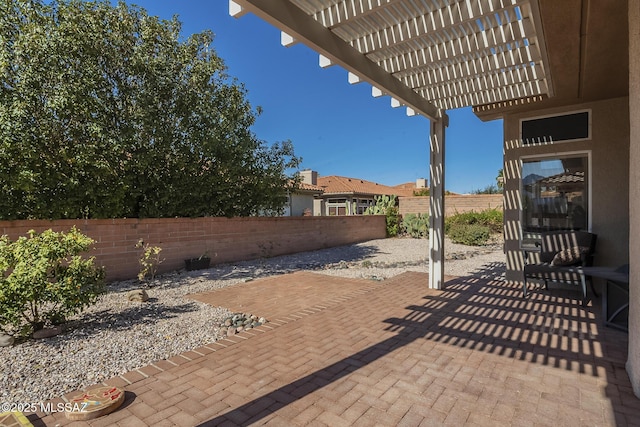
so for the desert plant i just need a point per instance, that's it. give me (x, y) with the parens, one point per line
(415, 225)
(149, 260)
(489, 189)
(469, 234)
(44, 280)
(387, 206)
(491, 218)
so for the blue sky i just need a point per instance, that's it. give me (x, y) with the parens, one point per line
(337, 128)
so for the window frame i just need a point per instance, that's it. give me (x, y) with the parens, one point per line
(546, 116)
(527, 243)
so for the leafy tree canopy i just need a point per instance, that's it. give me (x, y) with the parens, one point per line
(106, 112)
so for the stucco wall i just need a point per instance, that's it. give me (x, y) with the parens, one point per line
(633, 363)
(609, 147)
(300, 202)
(225, 239)
(452, 203)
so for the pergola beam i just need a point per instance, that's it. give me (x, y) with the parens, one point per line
(302, 27)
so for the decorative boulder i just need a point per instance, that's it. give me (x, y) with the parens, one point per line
(47, 332)
(138, 295)
(6, 340)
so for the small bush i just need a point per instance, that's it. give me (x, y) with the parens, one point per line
(415, 225)
(490, 218)
(149, 260)
(421, 192)
(469, 234)
(43, 280)
(489, 189)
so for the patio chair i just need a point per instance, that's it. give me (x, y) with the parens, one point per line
(562, 257)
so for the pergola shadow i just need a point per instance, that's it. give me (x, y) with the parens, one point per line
(481, 313)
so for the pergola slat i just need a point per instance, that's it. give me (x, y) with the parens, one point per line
(299, 25)
(426, 54)
(424, 76)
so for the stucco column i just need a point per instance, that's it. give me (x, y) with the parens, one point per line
(436, 202)
(633, 361)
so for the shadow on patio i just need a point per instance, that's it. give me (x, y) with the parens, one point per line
(474, 353)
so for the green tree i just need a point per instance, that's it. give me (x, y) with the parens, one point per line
(106, 112)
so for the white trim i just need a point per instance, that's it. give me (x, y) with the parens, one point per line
(559, 155)
(565, 113)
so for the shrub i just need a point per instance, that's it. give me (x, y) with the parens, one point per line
(421, 192)
(489, 189)
(415, 225)
(44, 280)
(490, 218)
(387, 205)
(469, 234)
(149, 260)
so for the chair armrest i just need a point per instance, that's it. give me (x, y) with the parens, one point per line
(586, 259)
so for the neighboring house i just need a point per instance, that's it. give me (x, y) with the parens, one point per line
(301, 200)
(350, 196)
(564, 76)
(409, 189)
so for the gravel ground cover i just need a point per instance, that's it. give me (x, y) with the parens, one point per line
(116, 335)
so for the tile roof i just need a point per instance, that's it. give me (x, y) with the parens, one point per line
(309, 187)
(304, 187)
(406, 189)
(344, 185)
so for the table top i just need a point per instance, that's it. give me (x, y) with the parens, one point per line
(607, 273)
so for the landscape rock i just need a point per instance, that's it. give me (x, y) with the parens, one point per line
(47, 332)
(137, 295)
(6, 340)
(239, 322)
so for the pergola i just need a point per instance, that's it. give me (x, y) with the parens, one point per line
(428, 56)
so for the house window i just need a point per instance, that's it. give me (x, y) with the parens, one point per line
(362, 205)
(555, 194)
(566, 127)
(336, 206)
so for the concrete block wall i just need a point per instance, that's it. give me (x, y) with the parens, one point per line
(452, 203)
(224, 239)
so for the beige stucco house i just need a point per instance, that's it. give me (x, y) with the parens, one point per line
(341, 195)
(300, 202)
(564, 75)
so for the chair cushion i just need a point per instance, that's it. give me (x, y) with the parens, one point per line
(570, 256)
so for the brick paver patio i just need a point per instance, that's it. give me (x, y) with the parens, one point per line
(342, 352)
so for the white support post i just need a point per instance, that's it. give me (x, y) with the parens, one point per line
(436, 202)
